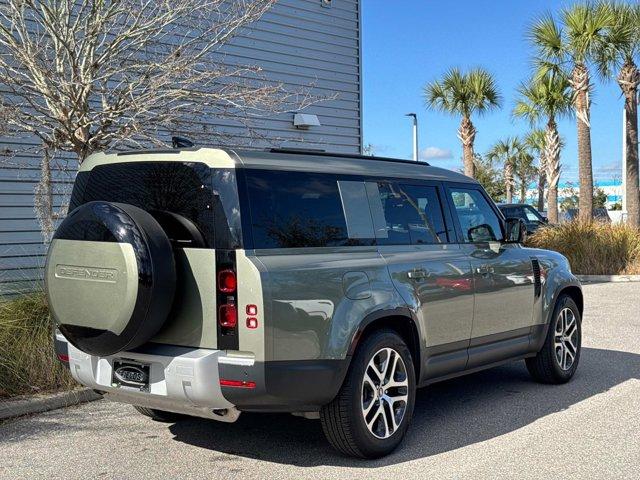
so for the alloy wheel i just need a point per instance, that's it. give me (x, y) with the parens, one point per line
(565, 340)
(385, 392)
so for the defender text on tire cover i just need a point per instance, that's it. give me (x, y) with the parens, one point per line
(110, 277)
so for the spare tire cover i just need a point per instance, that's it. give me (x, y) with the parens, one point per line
(110, 277)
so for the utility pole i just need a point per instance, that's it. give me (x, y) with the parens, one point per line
(415, 135)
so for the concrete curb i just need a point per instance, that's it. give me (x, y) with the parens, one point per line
(608, 278)
(30, 404)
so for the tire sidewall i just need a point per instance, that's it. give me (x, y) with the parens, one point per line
(370, 445)
(564, 302)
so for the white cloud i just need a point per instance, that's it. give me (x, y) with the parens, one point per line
(435, 153)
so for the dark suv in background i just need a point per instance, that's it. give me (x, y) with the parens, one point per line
(529, 215)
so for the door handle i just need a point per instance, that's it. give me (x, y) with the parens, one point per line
(484, 270)
(418, 273)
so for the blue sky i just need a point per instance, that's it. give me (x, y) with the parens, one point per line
(410, 42)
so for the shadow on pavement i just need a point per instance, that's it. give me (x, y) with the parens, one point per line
(447, 416)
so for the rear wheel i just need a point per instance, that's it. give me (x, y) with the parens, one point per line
(160, 415)
(371, 413)
(558, 360)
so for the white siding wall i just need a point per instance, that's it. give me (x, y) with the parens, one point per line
(298, 42)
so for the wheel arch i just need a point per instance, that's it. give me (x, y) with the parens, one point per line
(399, 320)
(575, 293)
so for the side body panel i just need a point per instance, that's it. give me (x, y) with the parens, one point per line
(504, 288)
(441, 300)
(317, 298)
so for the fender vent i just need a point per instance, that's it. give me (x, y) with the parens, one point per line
(535, 265)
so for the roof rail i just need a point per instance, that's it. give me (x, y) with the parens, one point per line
(324, 153)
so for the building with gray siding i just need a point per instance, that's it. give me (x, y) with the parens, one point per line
(306, 44)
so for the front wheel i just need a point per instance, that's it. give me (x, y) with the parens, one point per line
(371, 413)
(557, 362)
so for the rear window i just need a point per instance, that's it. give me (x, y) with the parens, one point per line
(181, 196)
(299, 209)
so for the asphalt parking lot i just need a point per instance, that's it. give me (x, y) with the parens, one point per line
(493, 424)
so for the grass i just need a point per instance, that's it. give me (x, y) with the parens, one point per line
(27, 361)
(593, 248)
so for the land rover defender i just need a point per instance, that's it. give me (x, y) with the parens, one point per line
(210, 282)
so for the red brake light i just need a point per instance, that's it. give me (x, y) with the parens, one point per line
(237, 383)
(252, 323)
(228, 315)
(63, 358)
(252, 310)
(227, 282)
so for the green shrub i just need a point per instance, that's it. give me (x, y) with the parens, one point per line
(27, 361)
(593, 248)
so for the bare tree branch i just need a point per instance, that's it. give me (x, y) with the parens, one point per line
(86, 75)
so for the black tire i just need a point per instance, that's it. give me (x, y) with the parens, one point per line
(160, 415)
(343, 421)
(546, 367)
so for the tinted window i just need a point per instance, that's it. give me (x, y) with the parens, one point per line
(512, 212)
(178, 195)
(531, 215)
(295, 209)
(478, 221)
(413, 215)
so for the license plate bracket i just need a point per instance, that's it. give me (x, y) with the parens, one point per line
(130, 374)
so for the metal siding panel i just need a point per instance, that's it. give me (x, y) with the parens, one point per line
(298, 43)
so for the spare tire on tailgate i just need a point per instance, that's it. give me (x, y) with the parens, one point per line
(110, 277)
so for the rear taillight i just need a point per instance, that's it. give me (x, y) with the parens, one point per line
(228, 315)
(227, 282)
(226, 296)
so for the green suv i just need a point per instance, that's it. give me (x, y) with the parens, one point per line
(209, 282)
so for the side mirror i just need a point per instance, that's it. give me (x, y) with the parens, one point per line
(481, 233)
(515, 229)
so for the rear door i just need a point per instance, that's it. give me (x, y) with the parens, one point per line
(416, 238)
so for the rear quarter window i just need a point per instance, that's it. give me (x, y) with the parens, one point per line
(297, 210)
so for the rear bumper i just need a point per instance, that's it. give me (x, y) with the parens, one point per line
(181, 380)
(187, 380)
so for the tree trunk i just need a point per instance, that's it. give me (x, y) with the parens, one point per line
(541, 184)
(580, 85)
(552, 204)
(508, 181)
(523, 191)
(43, 198)
(628, 79)
(467, 135)
(552, 155)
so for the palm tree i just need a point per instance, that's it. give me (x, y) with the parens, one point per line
(535, 142)
(525, 170)
(509, 152)
(547, 98)
(583, 32)
(464, 94)
(619, 53)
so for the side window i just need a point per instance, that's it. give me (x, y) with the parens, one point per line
(531, 215)
(478, 221)
(412, 214)
(512, 212)
(298, 209)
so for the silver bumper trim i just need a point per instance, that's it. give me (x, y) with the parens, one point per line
(187, 383)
